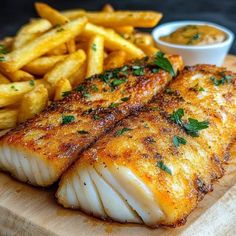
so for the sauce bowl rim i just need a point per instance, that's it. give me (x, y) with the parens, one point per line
(156, 33)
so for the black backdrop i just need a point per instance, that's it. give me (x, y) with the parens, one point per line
(14, 13)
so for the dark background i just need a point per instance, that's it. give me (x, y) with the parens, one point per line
(14, 13)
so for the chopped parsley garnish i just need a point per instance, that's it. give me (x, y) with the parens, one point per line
(192, 126)
(3, 49)
(125, 99)
(14, 88)
(138, 70)
(86, 95)
(59, 28)
(154, 108)
(67, 119)
(162, 166)
(145, 125)
(193, 38)
(155, 70)
(201, 89)
(114, 104)
(83, 132)
(169, 91)
(121, 131)
(66, 93)
(117, 82)
(164, 63)
(95, 88)
(80, 88)
(176, 116)
(225, 79)
(177, 140)
(2, 58)
(94, 47)
(96, 117)
(32, 83)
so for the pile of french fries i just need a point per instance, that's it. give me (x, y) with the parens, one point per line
(51, 55)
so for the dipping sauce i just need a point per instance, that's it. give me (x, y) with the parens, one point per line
(195, 35)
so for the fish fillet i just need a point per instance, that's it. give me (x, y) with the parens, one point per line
(140, 173)
(41, 149)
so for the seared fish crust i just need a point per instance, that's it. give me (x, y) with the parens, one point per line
(155, 167)
(41, 149)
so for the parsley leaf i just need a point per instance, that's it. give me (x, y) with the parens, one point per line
(176, 116)
(164, 63)
(3, 49)
(66, 93)
(125, 99)
(138, 70)
(223, 80)
(67, 119)
(177, 140)
(95, 88)
(114, 104)
(96, 117)
(94, 47)
(32, 83)
(117, 82)
(162, 166)
(193, 126)
(83, 132)
(121, 131)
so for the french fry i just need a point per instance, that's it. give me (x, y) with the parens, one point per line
(44, 43)
(143, 19)
(114, 59)
(108, 8)
(149, 50)
(42, 65)
(33, 103)
(8, 118)
(56, 19)
(3, 79)
(19, 75)
(143, 39)
(66, 68)
(79, 76)
(113, 41)
(59, 50)
(95, 56)
(30, 31)
(13, 92)
(62, 86)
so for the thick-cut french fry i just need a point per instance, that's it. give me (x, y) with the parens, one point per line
(114, 59)
(66, 68)
(120, 18)
(8, 118)
(44, 43)
(56, 19)
(149, 50)
(42, 65)
(79, 76)
(13, 92)
(33, 103)
(19, 75)
(95, 56)
(59, 50)
(30, 31)
(143, 39)
(3, 79)
(62, 87)
(113, 41)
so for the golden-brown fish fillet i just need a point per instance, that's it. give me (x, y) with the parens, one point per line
(40, 150)
(155, 167)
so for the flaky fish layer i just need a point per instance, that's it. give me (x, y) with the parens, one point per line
(40, 150)
(140, 173)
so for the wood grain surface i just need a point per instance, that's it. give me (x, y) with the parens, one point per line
(26, 210)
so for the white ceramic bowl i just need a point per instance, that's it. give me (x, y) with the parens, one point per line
(204, 54)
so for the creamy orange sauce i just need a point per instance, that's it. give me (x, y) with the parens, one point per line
(195, 35)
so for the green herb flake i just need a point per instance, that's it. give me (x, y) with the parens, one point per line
(146, 125)
(138, 70)
(80, 88)
(66, 93)
(169, 91)
(164, 63)
(125, 99)
(82, 132)
(121, 131)
(2, 58)
(155, 70)
(163, 167)
(86, 95)
(67, 119)
(117, 82)
(225, 79)
(201, 89)
(193, 126)
(114, 104)
(177, 140)
(94, 47)
(96, 117)
(32, 83)
(95, 88)
(14, 88)
(176, 116)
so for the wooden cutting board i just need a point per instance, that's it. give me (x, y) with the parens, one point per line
(26, 210)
